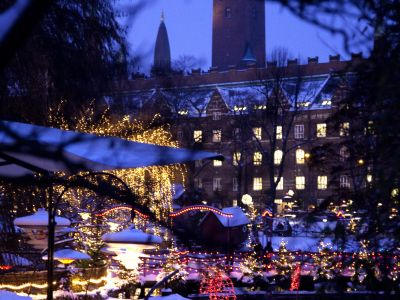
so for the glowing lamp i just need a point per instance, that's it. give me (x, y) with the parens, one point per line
(66, 261)
(68, 256)
(247, 200)
(35, 226)
(129, 244)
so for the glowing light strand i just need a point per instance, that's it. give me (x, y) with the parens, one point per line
(122, 207)
(200, 208)
(267, 213)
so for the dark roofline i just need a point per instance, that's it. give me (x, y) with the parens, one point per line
(235, 75)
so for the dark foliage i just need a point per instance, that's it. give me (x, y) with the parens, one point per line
(74, 53)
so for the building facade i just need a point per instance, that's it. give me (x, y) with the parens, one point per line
(266, 119)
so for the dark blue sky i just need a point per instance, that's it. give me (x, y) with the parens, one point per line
(189, 24)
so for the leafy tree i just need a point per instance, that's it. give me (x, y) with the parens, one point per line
(74, 53)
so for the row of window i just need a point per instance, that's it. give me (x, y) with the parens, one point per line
(301, 157)
(257, 158)
(300, 183)
(257, 132)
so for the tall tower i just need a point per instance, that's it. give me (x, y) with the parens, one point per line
(238, 36)
(162, 52)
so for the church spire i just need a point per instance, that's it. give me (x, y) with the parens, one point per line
(162, 52)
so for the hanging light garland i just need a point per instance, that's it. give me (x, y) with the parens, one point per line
(151, 184)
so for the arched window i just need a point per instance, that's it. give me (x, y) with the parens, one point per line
(278, 157)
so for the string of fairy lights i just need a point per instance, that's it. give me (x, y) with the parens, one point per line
(148, 182)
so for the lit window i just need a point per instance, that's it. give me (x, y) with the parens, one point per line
(300, 182)
(217, 186)
(257, 133)
(326, 102)
(228, 12)
(278, 157)
(234, 202)
(370, 128)
(198, 183)
(216, 137)
(344, 181)
(344, 153)
(322, 182)
(278, 132)
(235, 184)
(236, 158)
(279, 186)
(239, 108)
(299, 131)
(344, 129)
(300, 154)
(217, 163)
(257, 158)
(216, 115)
(257, 184)
(321, 130)
(369, 178)
(198, 136)
(183, 112)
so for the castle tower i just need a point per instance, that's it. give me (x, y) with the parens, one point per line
(238, 36)
(162, 52)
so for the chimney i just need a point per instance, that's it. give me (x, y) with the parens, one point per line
(356, 56)
(196, 71)
(213, 69)
(313, 60)
(333, 58)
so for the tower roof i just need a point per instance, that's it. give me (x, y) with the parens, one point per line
(162, 52)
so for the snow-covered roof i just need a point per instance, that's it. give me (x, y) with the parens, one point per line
(192, 101)
(131, 236)
(242, 96)
(239, 218)
(6, 295)
(308, 92)
(53, 150)
(15, 260)
(169, 297)
(40, 218)
(69, 254)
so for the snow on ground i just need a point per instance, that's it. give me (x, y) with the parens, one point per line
(169, 297)
(6, 295)
(302, 243)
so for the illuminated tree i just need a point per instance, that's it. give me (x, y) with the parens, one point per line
(284, 261)
(152, 185)
(325, 261)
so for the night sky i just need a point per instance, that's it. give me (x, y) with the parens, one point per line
(189, 24)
